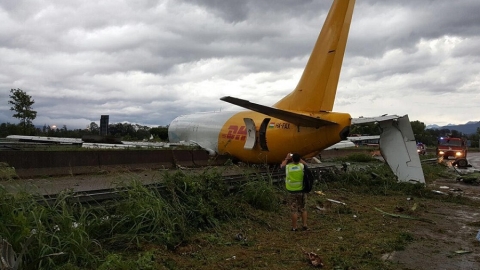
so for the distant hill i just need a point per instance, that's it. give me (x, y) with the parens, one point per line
(433, 127)
(468, 128)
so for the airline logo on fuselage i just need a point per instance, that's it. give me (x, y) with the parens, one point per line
(236, 133)
(239, 133)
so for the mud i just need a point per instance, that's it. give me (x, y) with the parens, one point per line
(450, 243)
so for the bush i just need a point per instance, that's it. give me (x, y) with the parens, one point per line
(260, 194)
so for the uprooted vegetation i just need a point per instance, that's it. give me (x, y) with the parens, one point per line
(197, 222)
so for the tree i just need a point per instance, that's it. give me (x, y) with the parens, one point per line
(421, 134)
(22, 105)
(8, 129)
(365, 129)
(94, 129)
(160, 132)
(418, 127)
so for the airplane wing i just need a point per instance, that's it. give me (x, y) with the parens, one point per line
(291, 117)
(341, 144)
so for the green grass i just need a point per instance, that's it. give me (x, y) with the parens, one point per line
(75, 235)
(195, 221)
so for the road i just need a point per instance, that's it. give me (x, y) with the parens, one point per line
(474, 159)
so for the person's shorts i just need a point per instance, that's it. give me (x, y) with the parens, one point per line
(297, 202)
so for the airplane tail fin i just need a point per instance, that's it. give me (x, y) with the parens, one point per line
(318, 85)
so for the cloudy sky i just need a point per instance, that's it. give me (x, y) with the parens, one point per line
(148, 61)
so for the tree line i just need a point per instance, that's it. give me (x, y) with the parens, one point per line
(22, 104)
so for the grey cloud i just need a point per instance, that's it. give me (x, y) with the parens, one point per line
(408, 22)
(141, 61)
(236, 11)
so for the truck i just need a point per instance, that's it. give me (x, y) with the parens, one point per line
(452, 147)
(421, 149)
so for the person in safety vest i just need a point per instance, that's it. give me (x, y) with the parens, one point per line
(294, 184)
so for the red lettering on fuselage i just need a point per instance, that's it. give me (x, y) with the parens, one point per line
(236, 133)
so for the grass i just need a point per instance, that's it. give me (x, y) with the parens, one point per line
(199, 223)
(7, 172)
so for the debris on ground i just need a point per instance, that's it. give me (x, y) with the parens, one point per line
(240, 237)
(8, 257)
(404, 216)
(462, 252)
(334, 201)
(439, 192)
(471, 178)
(314, 258)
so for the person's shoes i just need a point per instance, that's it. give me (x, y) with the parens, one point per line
(305, 228)
(294, 229)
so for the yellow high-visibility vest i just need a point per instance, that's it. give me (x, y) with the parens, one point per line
(294, 177)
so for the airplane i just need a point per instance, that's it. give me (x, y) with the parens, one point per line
(303, 121)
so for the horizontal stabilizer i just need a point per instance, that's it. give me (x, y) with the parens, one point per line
(398, 146)
(364, 120)
(291, 117)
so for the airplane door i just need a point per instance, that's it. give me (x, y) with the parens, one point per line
(263, 134)
(251, 134)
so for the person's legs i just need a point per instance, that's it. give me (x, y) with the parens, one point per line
(303, 210)
(294, 221)
(304, 219)
(295, 204)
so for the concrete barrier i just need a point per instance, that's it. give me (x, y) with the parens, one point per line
(183, 158)
(49, 163)
(201, 158)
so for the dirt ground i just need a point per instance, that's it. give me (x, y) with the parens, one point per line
(449, 243)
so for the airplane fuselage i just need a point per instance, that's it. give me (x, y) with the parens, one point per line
(256, 138)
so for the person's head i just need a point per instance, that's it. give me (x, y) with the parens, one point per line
(296, 158)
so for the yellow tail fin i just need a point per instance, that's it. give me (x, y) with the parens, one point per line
(318, 85)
